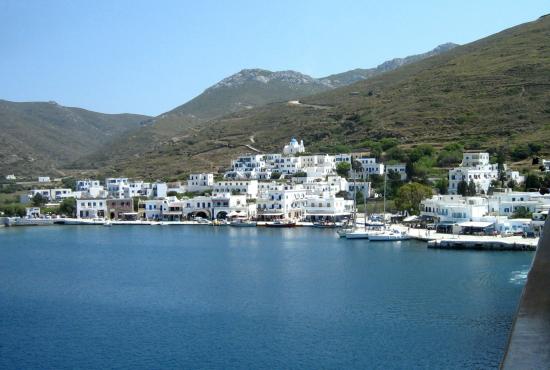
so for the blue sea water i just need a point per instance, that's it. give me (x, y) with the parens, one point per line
(195, 297)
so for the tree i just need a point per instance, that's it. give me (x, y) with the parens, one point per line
(472, 188)
(300, 174)
(410, 195)
(462, 188)
(356, 165)
(68, 207)
(69, 182)
(532, 181)
(359, 198)
(38, 200)
(522, 212)
(343, 168)
(275, 175)
(442, 185)
(389, 142)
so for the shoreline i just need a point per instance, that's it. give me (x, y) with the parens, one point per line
(432, 239)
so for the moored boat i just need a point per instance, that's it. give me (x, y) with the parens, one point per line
(389, 235)
(242, 223)
(281, 223)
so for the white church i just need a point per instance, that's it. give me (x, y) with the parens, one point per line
(294, 147)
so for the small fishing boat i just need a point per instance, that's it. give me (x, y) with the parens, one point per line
(242, 223)
(281, 223)
(326, 225)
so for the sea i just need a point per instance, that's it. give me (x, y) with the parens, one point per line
(204, 297)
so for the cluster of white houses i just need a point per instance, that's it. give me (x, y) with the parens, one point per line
(305, 187)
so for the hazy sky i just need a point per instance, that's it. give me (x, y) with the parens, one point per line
(151, 56)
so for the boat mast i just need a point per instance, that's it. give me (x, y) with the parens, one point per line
(384, 214)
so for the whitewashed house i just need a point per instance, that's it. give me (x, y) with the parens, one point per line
(245, 187)
(91, 208)
(509, 202)
(476, 167)
(369, 166)
(44, 179)
(454, 208)
(399, 168)
(116, 186)
(199, 182)
(327, 206)
(247, 167)
(10, 177)
(282, 202)
(226, 205)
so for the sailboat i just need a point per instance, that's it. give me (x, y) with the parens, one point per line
(387, 234)
(366, 230)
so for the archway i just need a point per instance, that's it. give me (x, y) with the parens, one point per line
(202, 214)
(221, 215)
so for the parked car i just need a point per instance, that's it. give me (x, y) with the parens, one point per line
(506, 233)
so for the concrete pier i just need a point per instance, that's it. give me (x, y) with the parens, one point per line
(529, 343)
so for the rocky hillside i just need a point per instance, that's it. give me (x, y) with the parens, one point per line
(39, 137)
(491, 92)
(248, 89)
(359, 74)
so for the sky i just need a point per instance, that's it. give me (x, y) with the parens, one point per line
(148, 57)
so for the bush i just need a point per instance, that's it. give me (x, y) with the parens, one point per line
(520, 152)
(388, 143)
(343, 168)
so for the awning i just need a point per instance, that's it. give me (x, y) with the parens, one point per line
(410, 219)
(477, 224)
(130, 213)
(271, 213)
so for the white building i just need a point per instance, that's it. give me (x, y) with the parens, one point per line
(10, 177)
(546, 164)
(247, 167)
(360, 186)
(288, 165)
(282, 202)
(86, 184)
(327, 206)
(91, 188)
(509, 202)
(43, 179)
(116, 187)
(369, 166)
(294, 147)
(91, 208)
(199, 182)
(152, 209)
(245, 187)
(476, 167)
(229, 206)
(54, 194)
(399, 168)
(454, 208)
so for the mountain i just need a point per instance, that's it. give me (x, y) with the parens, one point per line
(359, 74)
(494, 91)
(252, 88)
(248, 89)
(37, 137)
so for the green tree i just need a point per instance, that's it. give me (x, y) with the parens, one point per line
(343, 168)
(69, 182)
(442, 185)
(472, 190)
(275, 175)
(38, 200)
(68, 207)
(410, 195)
(359, 198)
(462, 188)
(388, 142)
(522, 212)
(532, 181)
